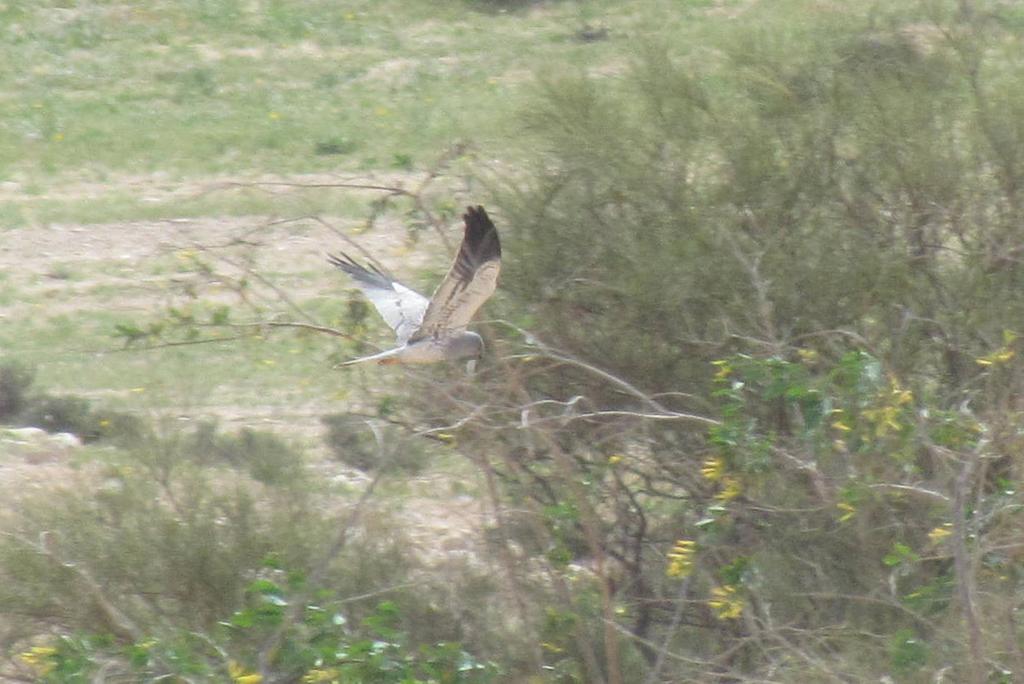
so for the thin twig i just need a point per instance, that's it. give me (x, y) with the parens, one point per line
(662, 649)
(289, 324)
(551, 353)
(377, 592)
(165, 345)
(117, 622)
(316, 576)
(964, 571)
(929, 493)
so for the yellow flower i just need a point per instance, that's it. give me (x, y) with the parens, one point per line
(40, 659)
(1003, 354)
(724, 369)
(886, 415)
(841, 426)
(998, 356)
(239, 675)
(808, 355)
(680, 558)
(713, 468)
(274, 116)
(39, 652)
(940, 533)
(900, 395)
(848, 511)
(726, 604)
(884, 419)
(615, 459)
(317, 676)
(731, 488)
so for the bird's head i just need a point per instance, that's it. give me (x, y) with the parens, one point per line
(467, 345)
(474, 351)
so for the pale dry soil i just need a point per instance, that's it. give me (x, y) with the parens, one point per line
(137, 268)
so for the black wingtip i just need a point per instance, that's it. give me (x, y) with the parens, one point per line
(344, 262)
(477, 216)
(368, 274)
(481, 233)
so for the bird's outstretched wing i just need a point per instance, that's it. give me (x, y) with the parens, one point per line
(401, 308)
(472, 278)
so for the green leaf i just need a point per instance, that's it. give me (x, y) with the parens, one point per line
(734, 572)
(263, 586)
(901, 553)
(907, 651)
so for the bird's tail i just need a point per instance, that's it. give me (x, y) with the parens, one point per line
(386, 357)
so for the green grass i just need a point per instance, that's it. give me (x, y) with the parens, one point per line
(117, 204)
(113, 113)
(217, 87)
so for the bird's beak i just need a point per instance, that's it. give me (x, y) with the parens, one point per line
(471, 367)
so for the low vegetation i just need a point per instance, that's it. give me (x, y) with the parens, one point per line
(750, 409)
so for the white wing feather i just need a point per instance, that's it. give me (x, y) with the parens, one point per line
(401, 307)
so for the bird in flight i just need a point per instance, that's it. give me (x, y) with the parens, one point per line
(433, 330)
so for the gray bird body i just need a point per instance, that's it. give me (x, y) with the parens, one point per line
(434, 330)
(464, 345)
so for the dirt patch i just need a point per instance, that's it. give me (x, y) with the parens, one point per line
(274, 53)
(138, 267)
(160, 186)
(70, 261)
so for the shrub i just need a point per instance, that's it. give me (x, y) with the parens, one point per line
(360, 443)
(78, 415)
(178, 557)
(771, 289)
(265, 456)
(62, 414)
(15, 379)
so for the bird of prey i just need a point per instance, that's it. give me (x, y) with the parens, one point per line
(433, 330)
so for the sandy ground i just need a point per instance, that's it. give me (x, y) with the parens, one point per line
(131, 267)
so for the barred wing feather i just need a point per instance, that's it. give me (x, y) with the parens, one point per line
(470, 281)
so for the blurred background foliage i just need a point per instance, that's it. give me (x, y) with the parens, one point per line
(751, 410)
(814, 233)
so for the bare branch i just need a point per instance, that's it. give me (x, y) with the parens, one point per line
(549, 352)
(391, 190)
(911, 489)
(964, 570)
(179, 343)
(116, 621)
(316, 575)
(286, 324)
(673, 625)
